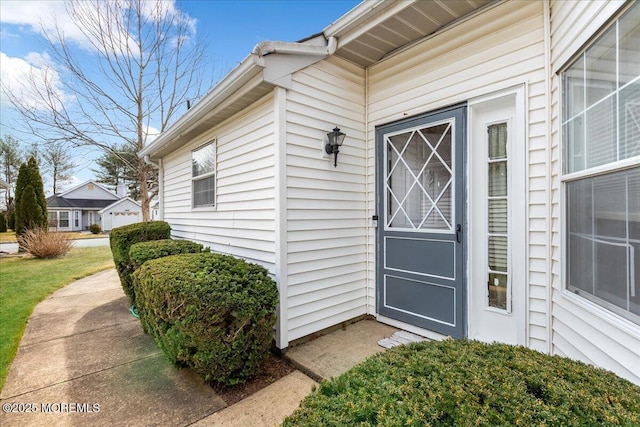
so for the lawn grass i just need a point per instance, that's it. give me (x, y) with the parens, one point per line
(25, 281)
(10, 236)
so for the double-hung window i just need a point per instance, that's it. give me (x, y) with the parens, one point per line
(601, 168)
(64, 219)
(203, 176)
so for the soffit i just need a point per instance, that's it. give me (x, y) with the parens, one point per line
(365, 43)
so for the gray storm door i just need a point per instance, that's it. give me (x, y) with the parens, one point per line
(420, 235)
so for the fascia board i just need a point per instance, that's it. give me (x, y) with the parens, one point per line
(363, 18)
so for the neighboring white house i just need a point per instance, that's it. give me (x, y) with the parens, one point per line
(91, 203)
(123, 212)
(4, 188)
(488, 185)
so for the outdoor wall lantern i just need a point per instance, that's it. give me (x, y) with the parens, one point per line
(336, 138)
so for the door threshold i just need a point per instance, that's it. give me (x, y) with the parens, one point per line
(411, 328)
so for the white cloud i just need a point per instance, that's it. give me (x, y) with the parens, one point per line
(45, 16)
(27, 79)
(151, 133)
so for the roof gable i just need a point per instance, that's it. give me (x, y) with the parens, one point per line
(89, 190)
(122, 202)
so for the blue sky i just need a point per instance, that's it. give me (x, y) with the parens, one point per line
(232, 29)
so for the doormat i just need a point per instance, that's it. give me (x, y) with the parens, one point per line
(400, 338)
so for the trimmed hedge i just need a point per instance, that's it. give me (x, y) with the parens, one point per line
(3, 222)
(95, 228)
(145, 251)
(122, 238)
(211, 312)
(468, 383)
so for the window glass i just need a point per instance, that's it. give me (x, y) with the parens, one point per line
(203, 161)
(203, 192)
(601, 109)
(601, 127)
(603, 215)
(64, 219)
(53, 218)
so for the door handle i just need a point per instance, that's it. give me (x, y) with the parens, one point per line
(458, 233)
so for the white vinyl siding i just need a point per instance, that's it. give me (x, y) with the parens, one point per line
(325, 205)
(243, 222)
(500, 48)
(581, 329)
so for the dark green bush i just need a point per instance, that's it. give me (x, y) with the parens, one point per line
(145, 251)
(95, 228)
(467, 383)
(121, 239)
(3, 222)
(11, 221)
(211, 312)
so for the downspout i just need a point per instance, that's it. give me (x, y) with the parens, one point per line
(158, 165)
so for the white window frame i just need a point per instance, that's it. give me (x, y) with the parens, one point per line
(68, 219)
(603, 308)
(204, 176)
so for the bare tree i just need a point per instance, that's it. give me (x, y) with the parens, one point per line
(139, 62)
(58, 164)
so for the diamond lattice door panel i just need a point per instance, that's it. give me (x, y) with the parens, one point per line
(419, 178)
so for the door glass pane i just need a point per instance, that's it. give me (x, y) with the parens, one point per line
(498, 142)
(497, 179)
(419, 178)
(498, 290)
(498, 279)
(498, 253)
(498, 216)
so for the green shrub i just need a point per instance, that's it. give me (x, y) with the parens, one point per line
(145, 251)
(467, 383)
(30, 203)
(11, 222)
(211, 312)
(121, 239)
(95, 228)
(3, 222)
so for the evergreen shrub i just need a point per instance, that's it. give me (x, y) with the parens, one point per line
(122, 238)
(468, 383)
(30, 203)
(3, 222)
(145, 251)
(211, 312)
(11, 221)
(95, 228)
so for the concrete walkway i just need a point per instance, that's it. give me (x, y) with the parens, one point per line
(84, 360)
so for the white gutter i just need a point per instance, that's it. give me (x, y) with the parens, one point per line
(250, 66)
(231, 82)
(269, 47)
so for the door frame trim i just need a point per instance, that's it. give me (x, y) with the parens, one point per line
(518, 255)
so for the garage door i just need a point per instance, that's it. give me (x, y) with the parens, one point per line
(125, 218)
